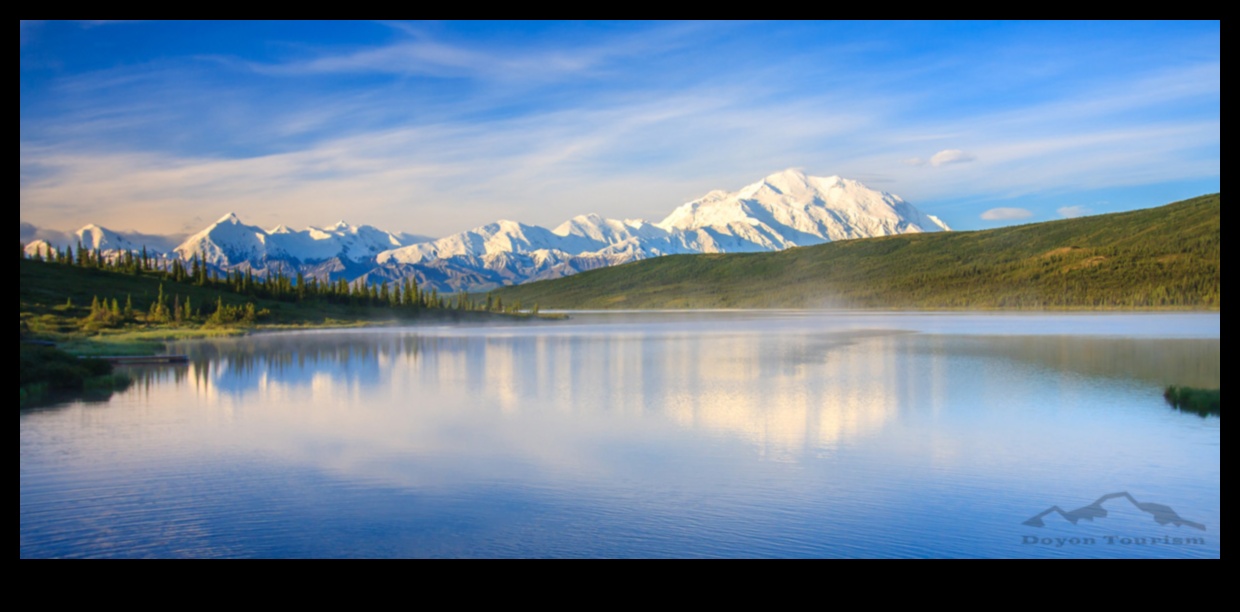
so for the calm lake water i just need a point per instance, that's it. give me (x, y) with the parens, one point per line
(718, 434)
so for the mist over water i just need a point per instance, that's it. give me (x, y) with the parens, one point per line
(719, 434)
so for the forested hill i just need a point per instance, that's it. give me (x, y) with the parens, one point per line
(1165, 257)
(65, 295)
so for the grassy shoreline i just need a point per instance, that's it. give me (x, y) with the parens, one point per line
(72, 369)
(153, 341)
(91, 311)
(48, 373)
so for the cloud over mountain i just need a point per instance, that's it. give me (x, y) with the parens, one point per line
(1006, 214)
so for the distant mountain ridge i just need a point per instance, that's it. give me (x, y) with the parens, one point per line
(229, 242)
(1164, 257)
(785, 209)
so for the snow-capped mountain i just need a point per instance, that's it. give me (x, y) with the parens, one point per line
(38, 248)
(94, 237)
(789, 209)
(228, 243)
(786, 209)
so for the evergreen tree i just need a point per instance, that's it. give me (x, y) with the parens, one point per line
(159, 308)
(219, 314)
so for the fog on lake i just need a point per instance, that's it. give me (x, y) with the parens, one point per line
(674, 434)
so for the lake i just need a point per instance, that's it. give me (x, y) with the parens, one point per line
(664, 434)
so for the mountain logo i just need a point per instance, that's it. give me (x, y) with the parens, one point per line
(1162, 514)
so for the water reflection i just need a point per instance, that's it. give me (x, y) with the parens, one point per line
(785, 395)
(1170, 361)
(782, 395)
(737, 436)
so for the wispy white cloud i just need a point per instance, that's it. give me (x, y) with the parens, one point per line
(638, 156)
(950, 156)
(536, 61)
(1071, 212)
(1006, 214)
(449, 131)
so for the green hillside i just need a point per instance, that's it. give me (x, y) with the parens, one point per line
(1165, 257)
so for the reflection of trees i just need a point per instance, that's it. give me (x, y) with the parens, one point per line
(780, 392)
(785, 393)
(238, 365)
(1185, 361)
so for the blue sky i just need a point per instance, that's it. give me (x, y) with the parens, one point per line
(433, 128)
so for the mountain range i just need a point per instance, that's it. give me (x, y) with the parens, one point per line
(1163, 257)
(786, 209)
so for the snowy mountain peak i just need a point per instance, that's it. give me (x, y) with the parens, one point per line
(39, 248)
(790, 208)
(229, 243)
(101, 238)
(789, 180)
(588, 219)
(784, 209)
(579, 224)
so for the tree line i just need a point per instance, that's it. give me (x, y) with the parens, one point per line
(107, 311)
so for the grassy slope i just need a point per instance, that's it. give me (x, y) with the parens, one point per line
(1166, 257)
